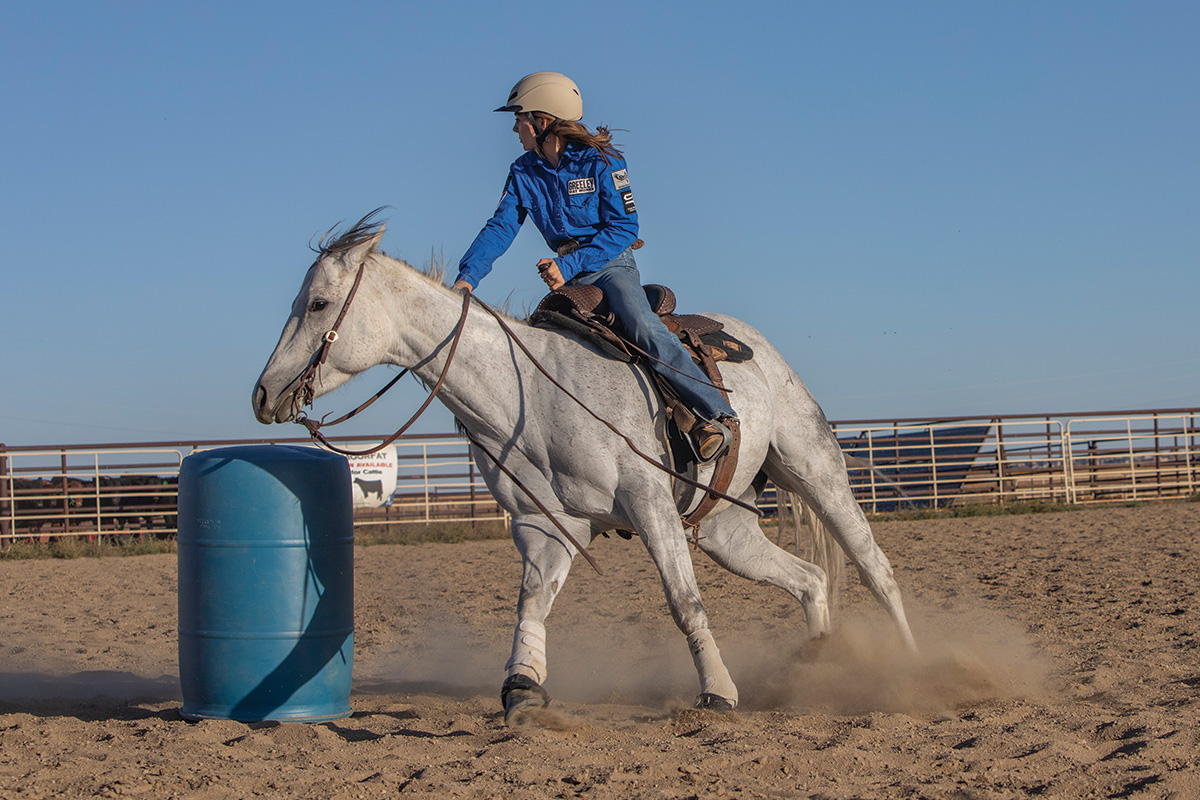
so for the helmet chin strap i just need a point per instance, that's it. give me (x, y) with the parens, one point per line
(540, 136)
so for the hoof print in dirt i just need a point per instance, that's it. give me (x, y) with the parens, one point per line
(522, 699)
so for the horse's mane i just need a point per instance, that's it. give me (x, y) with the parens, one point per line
(360, 232)
(366, 228)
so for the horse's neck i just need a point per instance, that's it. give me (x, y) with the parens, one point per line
(481, 387)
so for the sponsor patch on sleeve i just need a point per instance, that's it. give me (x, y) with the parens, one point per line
(581, 186)
(504, 194)
(621, 179)
(627, 198)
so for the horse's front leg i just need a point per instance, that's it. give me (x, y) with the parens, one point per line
(546, 560)
(665, 539)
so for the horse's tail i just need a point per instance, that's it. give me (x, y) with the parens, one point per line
(813, 543)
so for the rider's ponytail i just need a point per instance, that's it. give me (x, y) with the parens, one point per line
(572, 131)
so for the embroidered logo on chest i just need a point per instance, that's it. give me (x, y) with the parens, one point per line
(581, 186)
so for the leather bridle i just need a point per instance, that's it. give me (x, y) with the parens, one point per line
(306, 392)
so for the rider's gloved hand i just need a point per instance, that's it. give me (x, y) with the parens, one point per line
(550, 273)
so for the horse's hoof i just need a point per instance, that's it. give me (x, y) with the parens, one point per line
(713, 702)
(523, 708)
(809, 652)
(522, 698)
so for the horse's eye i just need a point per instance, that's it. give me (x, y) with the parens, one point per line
(317, 305)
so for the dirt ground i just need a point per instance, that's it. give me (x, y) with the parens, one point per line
(1060, 659)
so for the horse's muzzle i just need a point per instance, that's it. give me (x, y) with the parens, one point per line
(281, 412)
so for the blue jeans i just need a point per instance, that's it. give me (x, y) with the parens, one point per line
(622, 286)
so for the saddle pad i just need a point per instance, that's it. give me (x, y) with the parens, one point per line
(597, 335)
(696, 323)
(726, 347)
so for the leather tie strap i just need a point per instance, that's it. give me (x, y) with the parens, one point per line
(722, 476)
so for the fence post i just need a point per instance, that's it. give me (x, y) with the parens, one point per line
(999, 460)
(933, 470)
(1068, 462)
(1192, 462)
(1189, 448)
(66, 501)
(471, 483)
(425, 481)
(1132, 457)
(5, 531)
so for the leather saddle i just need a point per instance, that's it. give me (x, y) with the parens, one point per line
(584, 310)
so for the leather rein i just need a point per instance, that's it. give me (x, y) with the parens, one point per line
(306, 393)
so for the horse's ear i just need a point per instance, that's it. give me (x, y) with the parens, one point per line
(360, 251)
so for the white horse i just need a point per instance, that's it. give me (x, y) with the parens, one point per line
(587, 477)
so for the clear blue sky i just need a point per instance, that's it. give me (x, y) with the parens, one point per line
(935, 208)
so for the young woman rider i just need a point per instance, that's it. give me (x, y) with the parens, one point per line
(575, 186)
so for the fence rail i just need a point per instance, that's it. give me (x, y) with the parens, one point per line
(132, 489)
(1077, 459)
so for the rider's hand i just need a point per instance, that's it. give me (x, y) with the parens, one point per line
(461, 286)
(550, 273)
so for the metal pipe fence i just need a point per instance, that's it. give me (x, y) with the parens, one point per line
(132, 489)
(1065, 458)
(121, 489)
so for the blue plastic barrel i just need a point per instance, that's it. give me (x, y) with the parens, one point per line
(266, 584)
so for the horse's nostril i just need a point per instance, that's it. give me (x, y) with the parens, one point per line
(260, 396)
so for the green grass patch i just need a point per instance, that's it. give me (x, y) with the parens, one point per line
(81, 547)
(972, 510)
(366, 535)
(975, 510)
(443, 532)
(453, 532)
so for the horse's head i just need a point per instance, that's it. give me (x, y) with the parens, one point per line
(335, 329)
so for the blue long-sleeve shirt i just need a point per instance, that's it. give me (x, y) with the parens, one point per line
(586, 198)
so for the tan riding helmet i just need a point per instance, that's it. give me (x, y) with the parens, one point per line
(548, 92)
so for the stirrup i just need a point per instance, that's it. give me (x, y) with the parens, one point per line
(710, 440)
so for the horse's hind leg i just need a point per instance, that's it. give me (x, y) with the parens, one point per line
(804, 458)
(546, 562)
(734, 540)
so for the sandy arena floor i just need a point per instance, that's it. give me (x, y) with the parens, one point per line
(1060, 659)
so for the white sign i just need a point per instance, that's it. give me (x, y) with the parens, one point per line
(374, 478)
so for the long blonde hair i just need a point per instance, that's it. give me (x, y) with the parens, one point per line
(577, 132)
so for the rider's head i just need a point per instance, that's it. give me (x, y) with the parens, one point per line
(548, 103)
(548, 92)
(543, 99)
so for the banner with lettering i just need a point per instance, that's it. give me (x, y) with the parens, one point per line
(374, 478)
